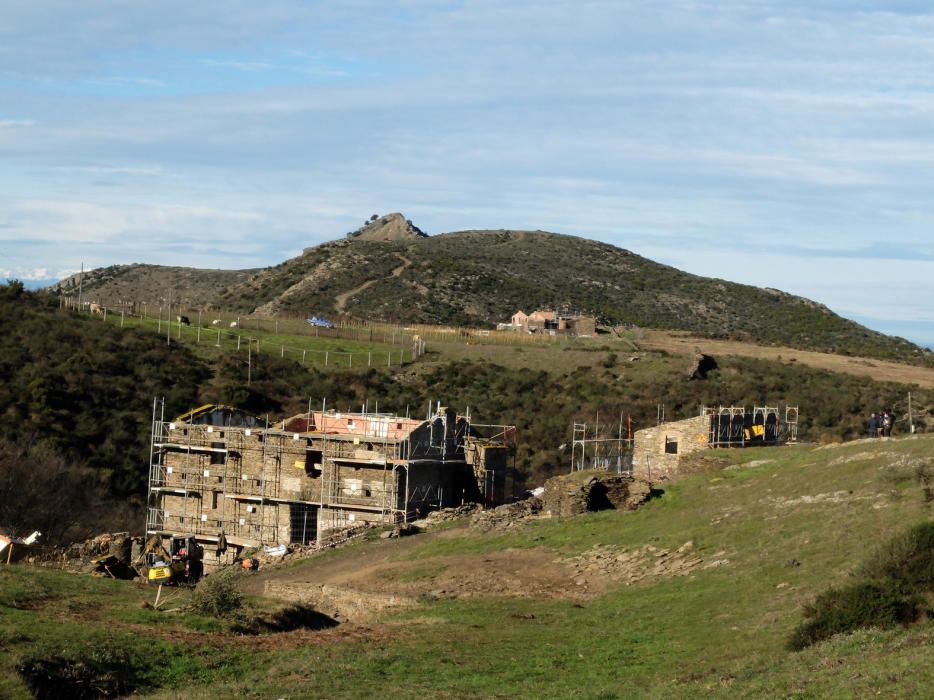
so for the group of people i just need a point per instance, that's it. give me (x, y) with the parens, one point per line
(880, 424)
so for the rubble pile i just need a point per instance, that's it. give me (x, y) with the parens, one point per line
(401, 530)
(446, 515)
(107, 554)
(507, 517)
(332, 538)
(585, 491)
(632, 565)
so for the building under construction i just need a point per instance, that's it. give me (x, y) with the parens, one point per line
(234, 482)
(657, 451)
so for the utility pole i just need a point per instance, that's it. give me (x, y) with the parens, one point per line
(168, 322)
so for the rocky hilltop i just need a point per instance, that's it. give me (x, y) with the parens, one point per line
(391, 227)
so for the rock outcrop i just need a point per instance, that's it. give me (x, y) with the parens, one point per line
(391, 227)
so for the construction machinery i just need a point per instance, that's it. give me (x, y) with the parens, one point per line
(179, 564)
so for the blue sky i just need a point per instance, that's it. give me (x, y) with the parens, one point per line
(782, 144)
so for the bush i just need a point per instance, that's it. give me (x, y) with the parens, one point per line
(906, 561)
(219, 594)
(846, 609)
(893, 583)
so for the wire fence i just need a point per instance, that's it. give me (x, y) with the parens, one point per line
(391, 348)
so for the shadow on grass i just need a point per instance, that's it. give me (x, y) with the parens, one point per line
(294, 617)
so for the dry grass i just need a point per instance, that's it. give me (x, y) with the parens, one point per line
(680, 343)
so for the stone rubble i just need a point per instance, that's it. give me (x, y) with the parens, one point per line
(634, 564)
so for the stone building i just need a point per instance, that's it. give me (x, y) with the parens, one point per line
(234, 483)
(551, 322)
(658, 452)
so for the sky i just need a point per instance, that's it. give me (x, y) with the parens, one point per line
(781, 144)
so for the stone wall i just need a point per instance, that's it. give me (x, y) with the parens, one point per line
(657, 451)
(584, 491)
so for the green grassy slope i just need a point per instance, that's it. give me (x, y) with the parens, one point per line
(784, 523)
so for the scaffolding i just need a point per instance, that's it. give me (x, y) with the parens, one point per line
(738, 426)
(491, 450)
(210, 464)
(613, 454)
(218, 480)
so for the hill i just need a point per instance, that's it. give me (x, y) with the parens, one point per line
(389, 270)
(150, 284)
(697, 593)
(476, 278)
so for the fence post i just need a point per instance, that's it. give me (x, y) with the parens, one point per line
(325, 358)
(303, 357)
(350, 358)
(369, 359)
(238, 339)
(218, 337)
(281, 347)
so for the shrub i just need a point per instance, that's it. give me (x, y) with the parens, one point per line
(852, 607)
(894, 580)
(906, 561)
(219, 594)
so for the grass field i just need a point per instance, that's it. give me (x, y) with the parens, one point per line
(771, 528)
(291, 341)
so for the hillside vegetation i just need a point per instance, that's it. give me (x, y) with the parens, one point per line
(151, 284)
(390, 271)
(84, 389)
(482, 277)
(760, 535)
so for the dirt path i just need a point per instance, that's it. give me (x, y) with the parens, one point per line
(686, 344)
(340, 301)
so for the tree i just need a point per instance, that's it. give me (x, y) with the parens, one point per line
(40, 490)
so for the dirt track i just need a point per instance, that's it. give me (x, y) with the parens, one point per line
(881, 370)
